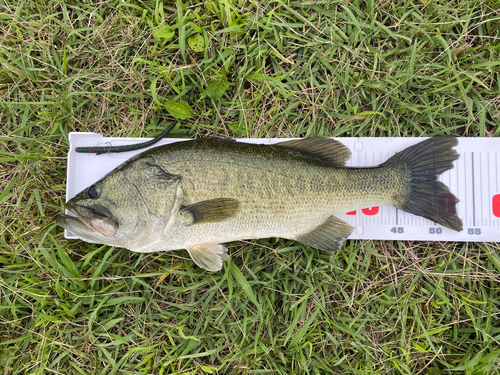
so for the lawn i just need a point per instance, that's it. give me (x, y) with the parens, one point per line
(244, 69)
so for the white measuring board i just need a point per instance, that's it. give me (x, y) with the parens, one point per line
(475, 180)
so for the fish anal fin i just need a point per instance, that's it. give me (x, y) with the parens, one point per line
(329, 236)
(326, 149)
(208, 256)
(210, 211)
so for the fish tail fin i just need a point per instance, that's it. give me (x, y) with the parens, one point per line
(426, 196)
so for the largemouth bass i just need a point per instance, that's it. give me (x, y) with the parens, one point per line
(198, 194)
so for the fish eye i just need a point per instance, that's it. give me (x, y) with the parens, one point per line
(92, 192)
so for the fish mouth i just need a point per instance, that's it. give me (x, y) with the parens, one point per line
(68, 221)
(74, 221)
(86, 221)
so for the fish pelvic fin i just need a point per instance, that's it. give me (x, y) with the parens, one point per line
(425, 196)
(329, 236)
(208, 256)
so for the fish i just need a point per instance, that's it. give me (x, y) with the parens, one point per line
(199, 194)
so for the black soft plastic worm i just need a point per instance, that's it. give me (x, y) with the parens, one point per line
(125, 148)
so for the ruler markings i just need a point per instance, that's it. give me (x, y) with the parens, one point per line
(473, 191)
(369, 219)
(485, 189)
(495, 185)
(489, 189)
(465, 186)
(481, 191)
(450, 182)
(457, 189)
(480, 210)
(496, 181)
(495, 191)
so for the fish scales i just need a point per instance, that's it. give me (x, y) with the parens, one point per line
(281, 195)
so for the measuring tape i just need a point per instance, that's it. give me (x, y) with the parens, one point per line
(474, 180)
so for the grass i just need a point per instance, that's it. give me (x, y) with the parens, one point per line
(264, 69)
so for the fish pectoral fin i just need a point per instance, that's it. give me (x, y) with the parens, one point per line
(208, 256)
(329, 236)
(210, 211)
(326, 149)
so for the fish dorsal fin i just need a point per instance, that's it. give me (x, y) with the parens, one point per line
(326, 149)
(209, 211)
(329, 236)
(208, 256)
